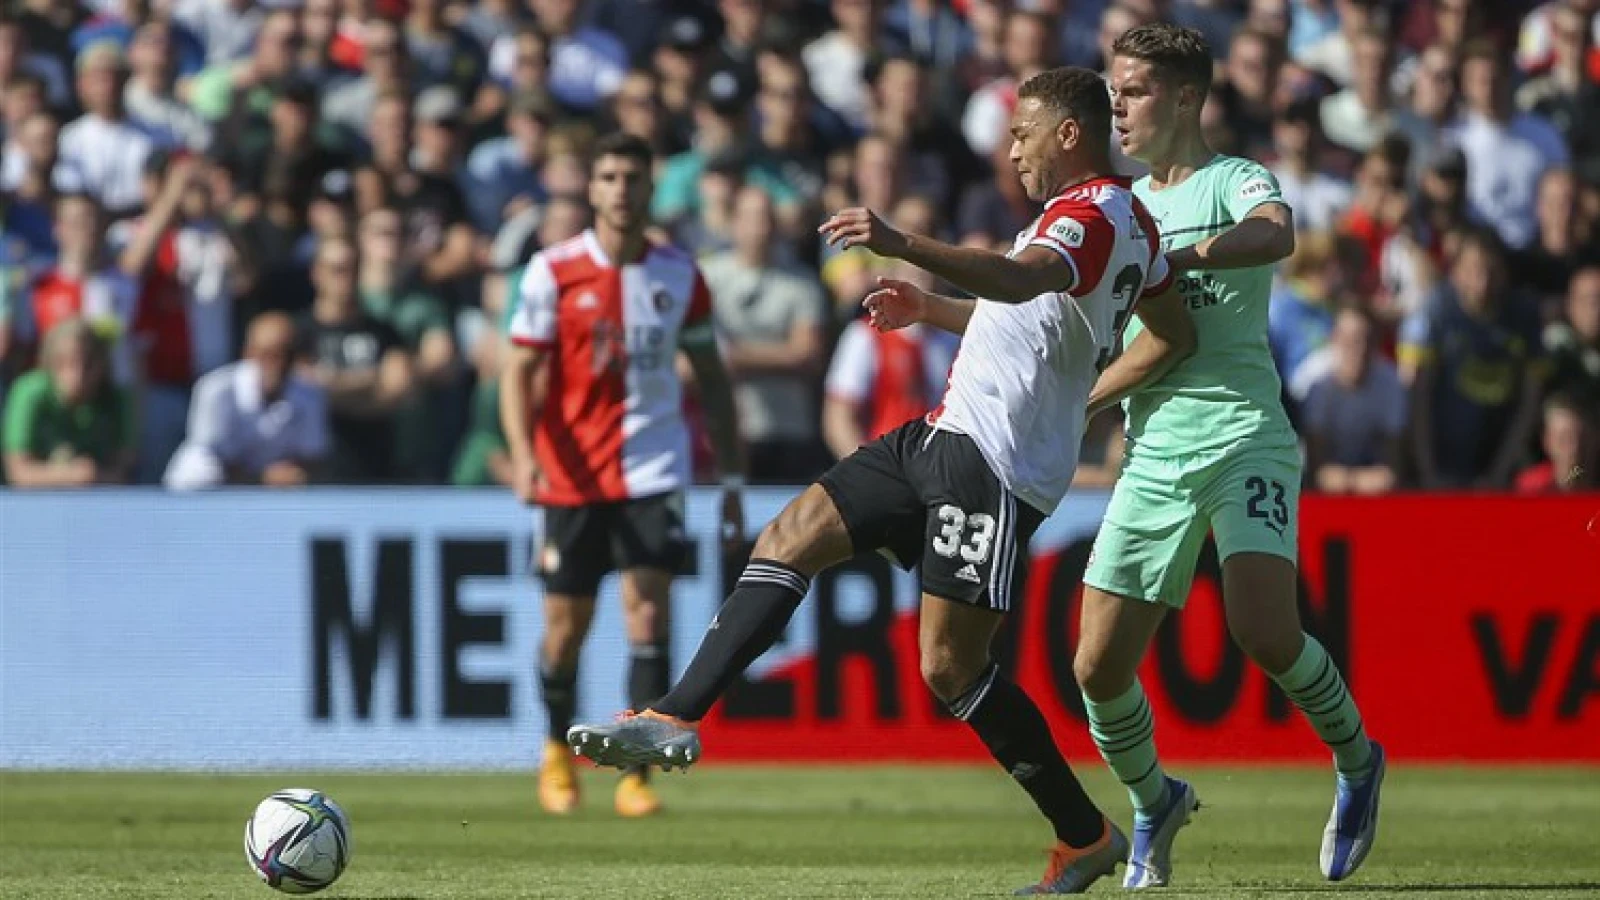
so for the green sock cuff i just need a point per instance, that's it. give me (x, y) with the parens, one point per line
(1118, 707)
(1306, 667)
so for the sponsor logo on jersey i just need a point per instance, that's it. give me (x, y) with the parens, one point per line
(1067, 231)
(1257, 187)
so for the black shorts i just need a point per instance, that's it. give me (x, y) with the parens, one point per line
(581, 544)
(928, 497)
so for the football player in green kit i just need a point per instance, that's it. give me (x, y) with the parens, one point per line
(1209, 450)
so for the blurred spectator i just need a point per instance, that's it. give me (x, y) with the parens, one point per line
(151, 94)
(1359, 116)
(319, 21)
(636, 109)
(1569, 442)
(1318, 196)
(993, 211)
(681, 61)
(441, 54)
(1026, 52)
(720, 117)
(770, 317)
(227, 28)
(236, 89)
(1507, 151)
(384, 71)
(485, 21)
(30, 204)
(1300, 313)
(362, 366)
(1558, 95)
(81, 285)
(1413, 255)
(1573, 343)
(837, 61)
(285, 142)
(795, 133)
(1432, 97)
(1334, 55)
(879, 184)
(903, 111)
(878, 381)
(1354, 417)
(502, 175)
(254, 421)
(1309, 22)
(183, 262)
(1379, 205)
(1540, 35)
(586, 64)
(1246, 93)
(18, 58)
(66, 424)
(927, 29)
(1216, 20)
(1477, 378)
(1563, 237)
(102, 153)
(186, 54)
(986, 60)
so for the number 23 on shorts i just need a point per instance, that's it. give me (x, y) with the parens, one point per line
(1268, 502)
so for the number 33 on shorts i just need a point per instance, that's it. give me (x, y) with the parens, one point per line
(977, 529)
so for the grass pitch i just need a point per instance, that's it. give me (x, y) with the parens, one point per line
(789, 833)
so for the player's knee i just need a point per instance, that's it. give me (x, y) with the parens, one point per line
(947, 674)
(646, 621)
(1273, 649)
(1097, 678)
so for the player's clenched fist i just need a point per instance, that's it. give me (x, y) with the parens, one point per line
(860, 227)
(895, 304)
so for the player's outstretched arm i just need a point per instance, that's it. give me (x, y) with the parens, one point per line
(1261, 238)
(897, 304)
(1167, 338)
(992, 276)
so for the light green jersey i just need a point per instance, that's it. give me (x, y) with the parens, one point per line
(1227, 393)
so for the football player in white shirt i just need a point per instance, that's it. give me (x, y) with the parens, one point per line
(961, 491)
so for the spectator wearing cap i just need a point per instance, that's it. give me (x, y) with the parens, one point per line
(1475, 353)
(256, 421)
(183, 262)
(227, 28)
(771, 317)
(1354, 417)
(186, 55)
(102, 153)
(1570, 440)
(151, 94)
(17, 58)
(1564, 238)
(1027, 51)
(721, 119)
(1507, 151)
(837, 61)
(1247, 92)
(1573, 341)
(442, 54)
(1359, 116)
(235, 89)
(384, 70)
(502, 175)
(586, 64)
(362, 366)
(1317, 195)
(66, 424)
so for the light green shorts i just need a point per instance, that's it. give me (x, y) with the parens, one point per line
(1163, 507)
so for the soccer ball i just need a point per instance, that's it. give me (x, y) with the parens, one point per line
(298, 841)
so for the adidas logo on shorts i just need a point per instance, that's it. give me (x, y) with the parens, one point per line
(969, 572)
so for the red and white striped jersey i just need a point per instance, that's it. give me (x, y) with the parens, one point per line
(892, 377)
(612, 427)
(1021, 382)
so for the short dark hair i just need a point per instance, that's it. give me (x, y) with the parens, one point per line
(1076, 93)
(1178, 55)
(627, 146)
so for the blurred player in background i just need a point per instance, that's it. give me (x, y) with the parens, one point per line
(961, 491)
(1209, 449)
(591, 404)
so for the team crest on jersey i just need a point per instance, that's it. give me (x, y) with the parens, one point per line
(1067, 231)
(662, 299)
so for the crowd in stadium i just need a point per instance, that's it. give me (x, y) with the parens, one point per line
(277, 241)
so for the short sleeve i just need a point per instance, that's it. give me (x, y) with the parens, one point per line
(854, 365)
(1083, 236)
(699, 328)
(533, 321)
(1249, 185)
(22, 412)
